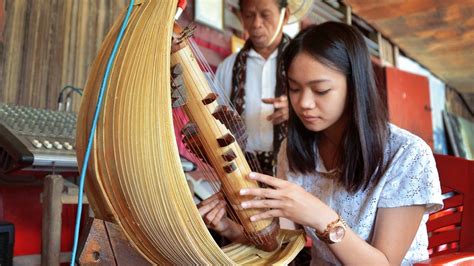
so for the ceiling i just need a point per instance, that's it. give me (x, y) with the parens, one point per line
(438, 34)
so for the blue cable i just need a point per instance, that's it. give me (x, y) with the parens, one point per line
(94, 125)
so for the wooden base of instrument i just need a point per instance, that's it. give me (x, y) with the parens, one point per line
(103, 243)
(266, 239)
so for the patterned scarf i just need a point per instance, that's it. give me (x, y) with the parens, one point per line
(237, 96)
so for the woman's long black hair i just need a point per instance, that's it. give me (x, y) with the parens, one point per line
(342, 48)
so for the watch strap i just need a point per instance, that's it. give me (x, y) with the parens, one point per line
(324, 236)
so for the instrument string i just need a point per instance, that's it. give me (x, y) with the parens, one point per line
(222, 134)
(197, 151)
(217, 87)
(207, 171)
(211, 80)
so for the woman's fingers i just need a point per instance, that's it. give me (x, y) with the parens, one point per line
(210, 218)
(278, 116)
(269, 180)
(267, 215)
(209, 203)
(216, 196)
(261, 204)
(267, 193)
(281, 109)
(268, 100)
(279, 102)
(207, 207)
(218, 218)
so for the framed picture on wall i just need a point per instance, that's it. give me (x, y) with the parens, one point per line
(210, 13)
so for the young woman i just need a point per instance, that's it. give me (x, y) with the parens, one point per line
(361, 188)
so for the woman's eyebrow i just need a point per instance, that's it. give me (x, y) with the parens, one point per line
(316, 81)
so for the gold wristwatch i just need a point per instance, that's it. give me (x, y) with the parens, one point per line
(334, 233)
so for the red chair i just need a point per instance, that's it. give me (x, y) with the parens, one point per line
(451, 230)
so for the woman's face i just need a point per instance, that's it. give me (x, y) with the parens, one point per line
(317, 92)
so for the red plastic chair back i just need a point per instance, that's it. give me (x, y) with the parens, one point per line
(452, 228)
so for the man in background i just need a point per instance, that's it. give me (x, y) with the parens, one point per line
(253, 81)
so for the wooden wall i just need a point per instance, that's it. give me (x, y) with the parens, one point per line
(2, 22)
(49, 44)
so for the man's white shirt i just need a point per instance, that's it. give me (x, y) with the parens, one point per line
(260, 83)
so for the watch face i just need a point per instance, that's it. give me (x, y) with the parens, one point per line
(337, 234)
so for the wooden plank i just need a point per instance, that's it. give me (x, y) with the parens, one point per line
(101, 27)
(125, 254)
(103, 243)
(49, 44)
(35, 259)
(81, 44)
(12, 56)
(94, 245)
(2, 19)
(36, 49)
(51, 224)
(66, 42)
(389, 9)
(56, 44)
(72, 35)
(70, 193)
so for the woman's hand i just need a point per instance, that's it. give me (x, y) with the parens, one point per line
(288, 200)
(213, 212)
(281, 109)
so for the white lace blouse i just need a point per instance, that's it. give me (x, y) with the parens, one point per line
(411, 179)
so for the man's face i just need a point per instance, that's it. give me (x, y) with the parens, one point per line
(260, 18)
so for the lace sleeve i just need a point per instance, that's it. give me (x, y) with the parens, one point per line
(412, 179)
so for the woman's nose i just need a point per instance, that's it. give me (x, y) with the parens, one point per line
(307, 100)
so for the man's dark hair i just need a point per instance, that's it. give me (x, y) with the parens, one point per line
(281, 3)
(342, 48)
